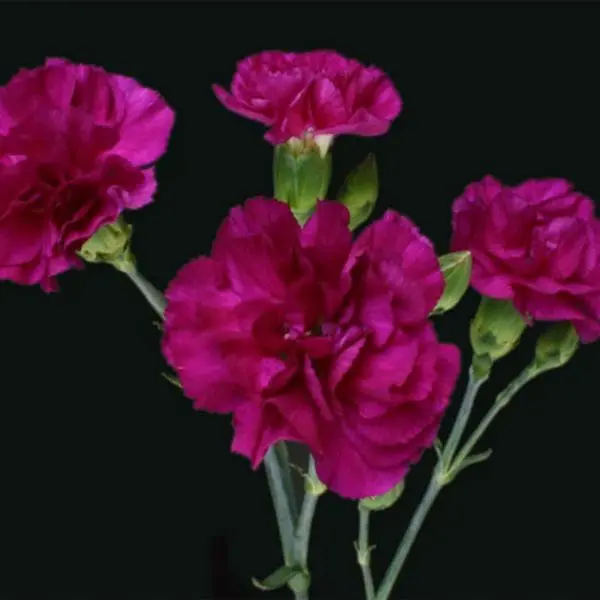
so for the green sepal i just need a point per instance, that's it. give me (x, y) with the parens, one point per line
(384, 501)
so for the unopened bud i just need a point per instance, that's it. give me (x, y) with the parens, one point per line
(385, 500)
(555, 347)
(456, 269)
(360, 190)
(496, 328)
(111, 245)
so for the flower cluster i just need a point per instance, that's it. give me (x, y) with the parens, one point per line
(300, 333)
(299, 330)
(77, 146)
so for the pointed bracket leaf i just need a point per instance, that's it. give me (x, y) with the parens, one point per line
(172, 379)
(363, 557)
(312, 485)
(359, 191)
(474, 459)
(439, 449)
(295, 576)
(456, 269)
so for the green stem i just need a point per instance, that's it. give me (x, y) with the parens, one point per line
(277, 465)
(277, 469)
(389, 580)
(307, 512)
(281, 449)
(502, 400)
(438, 480)
(464, 412)
(150, 293)
(363, 552)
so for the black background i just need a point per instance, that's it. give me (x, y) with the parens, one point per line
(113, 487)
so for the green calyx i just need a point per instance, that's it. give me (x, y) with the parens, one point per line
(111, 244)
(496, 328)
(384, 501)
(555, 347)
(301, 175)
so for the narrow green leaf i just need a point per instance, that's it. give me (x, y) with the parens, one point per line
(474, 459)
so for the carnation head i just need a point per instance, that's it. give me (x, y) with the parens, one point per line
(319, 93)
(304, 335)
(76, 149)
(537, 245)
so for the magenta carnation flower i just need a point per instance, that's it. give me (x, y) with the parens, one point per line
(305, 336)
(537, 244)
(318, 93)
(76, 148)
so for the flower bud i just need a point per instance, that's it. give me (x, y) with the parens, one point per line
(360, 190)
(301, 174)
(496, 328)
(555, 347)
(111, 245)
(456, 269)
(385, 500)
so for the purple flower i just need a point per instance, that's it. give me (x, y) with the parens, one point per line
(305, 336)
(537, 244)
(76, 148)
(316, 93)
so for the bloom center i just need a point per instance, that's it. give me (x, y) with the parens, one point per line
(315, 342)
